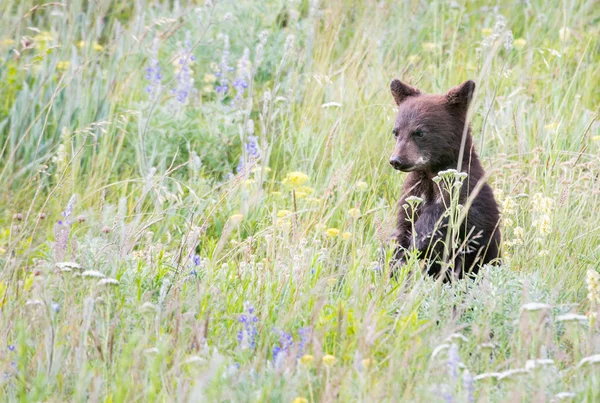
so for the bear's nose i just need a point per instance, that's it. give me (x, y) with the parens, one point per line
(396, 163)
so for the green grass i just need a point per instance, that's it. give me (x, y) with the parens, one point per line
(152, 181)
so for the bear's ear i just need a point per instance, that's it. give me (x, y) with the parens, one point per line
(401, 91)
(461, 95)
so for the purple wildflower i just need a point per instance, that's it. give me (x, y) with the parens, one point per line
(62, 230)
(286, 342)
(11, 347)
(224, 67)
(304, 334)
(153, 73)
(247, 336)
(453, 361)
(185, 82)
(55, 307)
(250, 152)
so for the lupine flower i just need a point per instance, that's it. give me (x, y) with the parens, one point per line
(62, 230)
(184, 79)
(304, 334)
(247, 336)
(250, 152)
(153, 73)
(242, 80)
(224, 68)
(453, 361)
(286, 341)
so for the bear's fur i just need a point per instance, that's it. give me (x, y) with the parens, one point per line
(429, 132)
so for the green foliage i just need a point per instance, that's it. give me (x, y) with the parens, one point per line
(138, 263)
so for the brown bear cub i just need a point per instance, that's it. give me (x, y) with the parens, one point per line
(429, 137)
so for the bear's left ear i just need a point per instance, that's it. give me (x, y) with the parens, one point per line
(461, 95)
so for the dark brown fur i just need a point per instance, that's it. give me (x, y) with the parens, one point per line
(428, 130)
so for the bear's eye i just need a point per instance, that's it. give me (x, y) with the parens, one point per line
(395, 132)
(418, 133)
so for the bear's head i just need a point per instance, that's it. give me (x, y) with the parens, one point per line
(429, 127)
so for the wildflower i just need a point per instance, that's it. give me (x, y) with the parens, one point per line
(519, 233)
(469, 385)
(106, 229)
(304, 334)
(543, 224)
(283, 213)
(520, 43)
(63, 65)
(429, 46)
(300, 194)
(508, 222)
(184, 80)
(209, 78)
(55, 307)
(285, 343)
(533, 364)
(354, 212)
(367, 362)
(250, 152)
(307, 359)
(535, 306)
(80, 44)
(97, 47)
(69, 266)
(332, 232)
(346, 235)
(223, 68)
(243, 75)
(508, 206)
(414, 200)
(247, 336)
(486, 31)
(92, 274)
(300, 400)
(414, 59)
(108, 281)
(360, 185)
(508, 41)
(329, 360)
(295, 179)
(453, 361)
(591, 360)
(249, 182)
(593, 284)
(153, 73)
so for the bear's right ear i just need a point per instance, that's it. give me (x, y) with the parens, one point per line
(401, 91)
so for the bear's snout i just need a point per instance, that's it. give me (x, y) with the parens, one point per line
(398, 164)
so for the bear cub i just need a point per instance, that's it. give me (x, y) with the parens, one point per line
(428, 131)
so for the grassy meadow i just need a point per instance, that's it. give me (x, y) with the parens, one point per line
(196, 202)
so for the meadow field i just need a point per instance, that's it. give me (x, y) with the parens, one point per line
(196, 202)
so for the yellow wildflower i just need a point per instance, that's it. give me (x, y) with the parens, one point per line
(63, 65)
(332, 232)
(283, 213)
(361, 185)
(519, 43)
(295, 179)
(97, 47)
(329, 360)
(307, 359)
(300, 400)
(487, 31)
(80, 44)
(367, 362)
(354, 212)
(209, 78)
(6, 42)
(414, 59)
(300, 194)
(208, 89)
(43, 37)
(305, 189)
(429, 46)
(347, 235)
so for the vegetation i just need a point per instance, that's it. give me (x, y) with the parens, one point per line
(196, 197)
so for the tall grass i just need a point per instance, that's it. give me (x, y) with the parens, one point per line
(180, 222)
